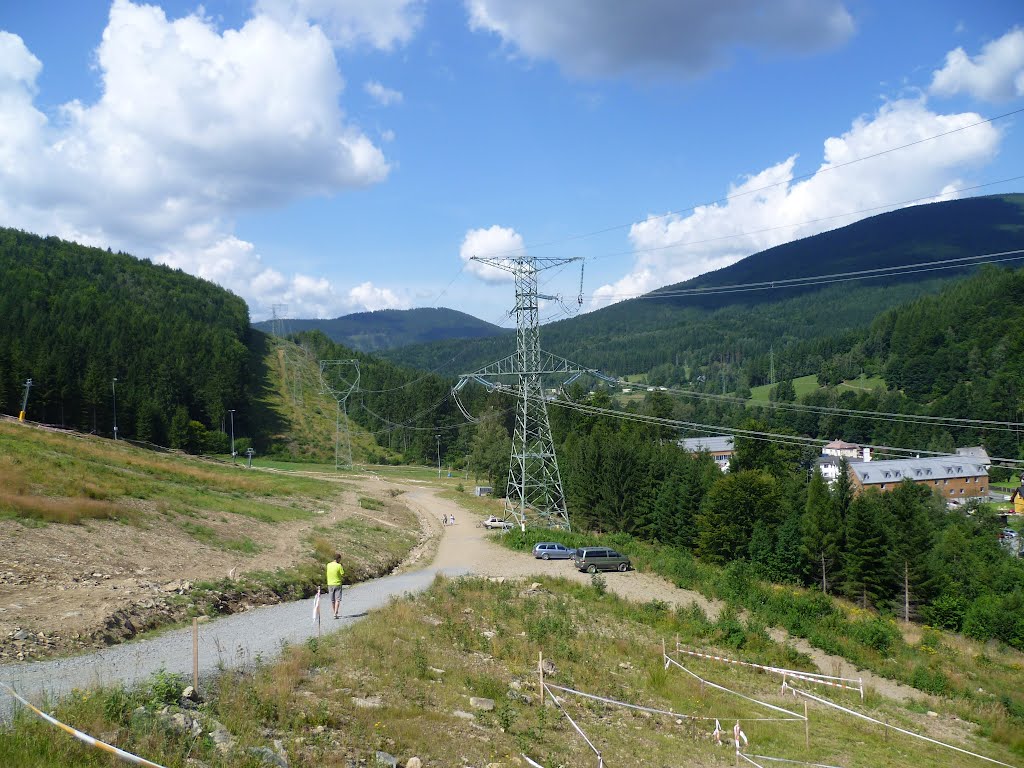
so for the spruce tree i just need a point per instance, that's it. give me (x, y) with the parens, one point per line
(864, 567)
(822, 531)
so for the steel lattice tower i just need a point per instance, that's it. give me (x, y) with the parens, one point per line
(340, 395)
(535, 496)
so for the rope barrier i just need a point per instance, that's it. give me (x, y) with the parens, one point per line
(533, 763)
(810, 677)
(600, 760)
(870, 719)
(794, 762)
(656, 711)
(792, 715)
(83, 737)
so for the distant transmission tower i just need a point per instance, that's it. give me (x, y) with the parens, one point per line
(340, 394)
(535, 496)
(278, 325)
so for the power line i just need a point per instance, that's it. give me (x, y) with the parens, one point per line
(797, 440)
(748, 233)
(911, 418)
(734, 196)
(836, 277)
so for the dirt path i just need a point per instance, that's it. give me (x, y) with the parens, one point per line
(468, 545)
(49, 579)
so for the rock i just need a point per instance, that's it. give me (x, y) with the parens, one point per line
(190, 693)
(370, 702)
(413, 762)
(464, 715)
(497, 579)
(515, 685)
(384, 759)
(549, 667)
(932, 714)
(22, 634)
(268, 756)
(489, 634)
(625, 665)
(436, 671)
(222, 738)
(171, 586)
(478, 702)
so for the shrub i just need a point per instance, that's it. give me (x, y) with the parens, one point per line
(929, 680)
(876, 633)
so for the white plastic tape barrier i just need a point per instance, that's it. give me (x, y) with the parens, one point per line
(84, 737)
(870, 719)
(809, 677)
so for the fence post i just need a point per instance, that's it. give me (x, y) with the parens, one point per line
(540, 677)
(807, 728)
(195, 654)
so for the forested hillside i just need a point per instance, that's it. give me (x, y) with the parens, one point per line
(76, 318)
(389, 328)
(725, 341)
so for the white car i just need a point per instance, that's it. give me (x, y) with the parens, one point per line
(497, 524)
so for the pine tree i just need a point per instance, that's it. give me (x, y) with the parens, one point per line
(911, 546)
(864, 567)
(822, 531)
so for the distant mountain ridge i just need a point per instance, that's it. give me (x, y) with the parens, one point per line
(727, 337)
(390, 328)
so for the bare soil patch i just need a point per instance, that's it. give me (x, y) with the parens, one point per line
(68, 587)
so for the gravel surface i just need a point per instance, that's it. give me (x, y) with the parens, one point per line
(258, 634)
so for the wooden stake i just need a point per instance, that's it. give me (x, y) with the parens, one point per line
(195, 654)
(540, 676)
(663, 654)
(807, 728)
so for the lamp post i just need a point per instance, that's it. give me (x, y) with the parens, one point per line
(232, 412)
(438, 438)
(24, 400)
(113, 390)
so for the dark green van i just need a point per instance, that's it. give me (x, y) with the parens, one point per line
(594, 559)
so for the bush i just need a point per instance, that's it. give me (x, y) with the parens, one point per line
(876, 633)
(929, 680)
(946, 611)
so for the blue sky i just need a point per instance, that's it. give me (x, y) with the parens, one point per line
(340, 156)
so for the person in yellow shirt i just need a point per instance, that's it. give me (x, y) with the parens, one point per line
(334, 575)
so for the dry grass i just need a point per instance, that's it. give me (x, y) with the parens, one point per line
(423, 659)
(60, 510)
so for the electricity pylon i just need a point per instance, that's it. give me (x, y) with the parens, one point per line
(535, 497)
(340, 395)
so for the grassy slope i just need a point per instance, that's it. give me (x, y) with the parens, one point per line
(425, 657)
(804, 385)
(298, 416)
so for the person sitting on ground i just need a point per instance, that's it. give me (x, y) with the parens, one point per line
(334, 575)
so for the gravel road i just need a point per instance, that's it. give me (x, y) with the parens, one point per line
(259, 634)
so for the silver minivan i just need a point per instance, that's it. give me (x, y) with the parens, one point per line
(594, 559)
(552, 550)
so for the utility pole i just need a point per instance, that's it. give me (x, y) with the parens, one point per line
(340, 395)
(232, 412)
(113, 390)
(771, 365)
(24, 400)
(438, 438)
(535, 496)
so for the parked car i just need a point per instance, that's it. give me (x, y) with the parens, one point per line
(594, 559)
(552, 550)
(497, 524)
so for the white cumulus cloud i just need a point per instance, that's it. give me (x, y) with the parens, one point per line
(381, 94)
(770, 207)
(381, 24)
(995, 74)
(193, 126)
(368, 297)
(493, 242)
(674, 38)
